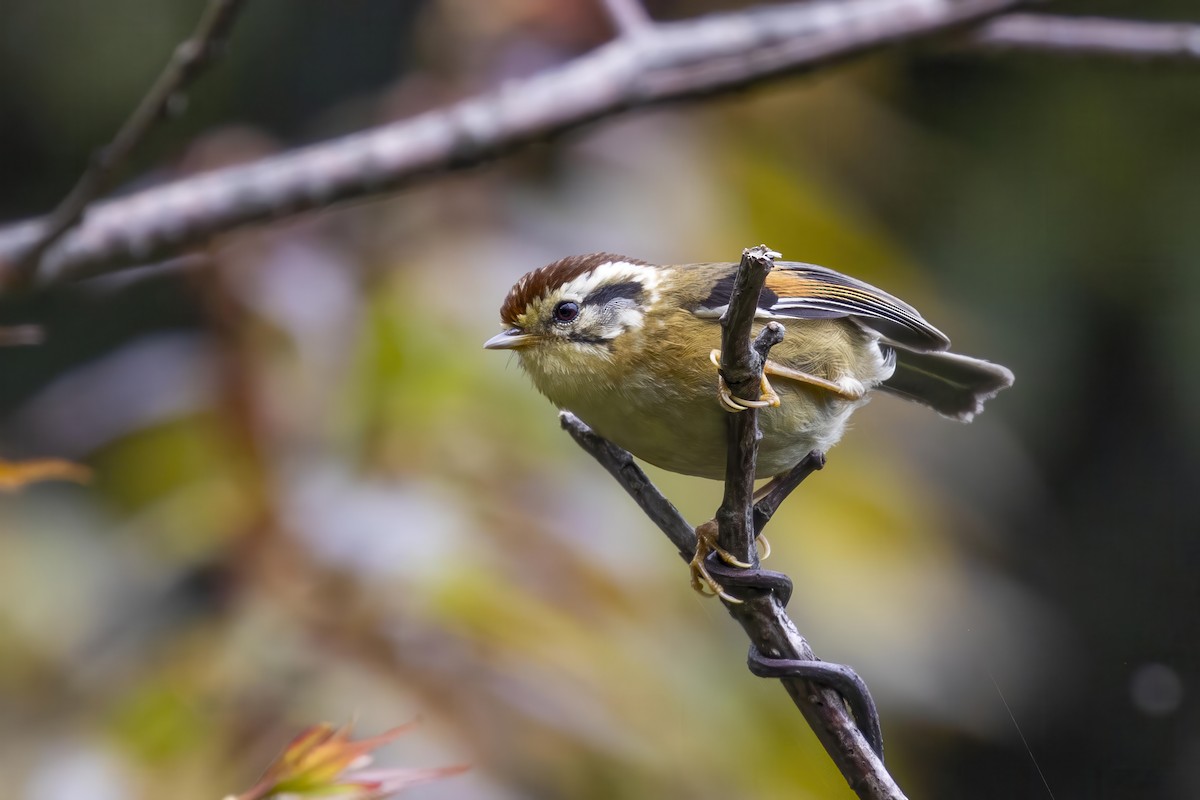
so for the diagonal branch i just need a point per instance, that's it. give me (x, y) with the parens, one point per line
(1087, 36)
(665, 63)
(620, 465)
(782, 486)
(186, 64)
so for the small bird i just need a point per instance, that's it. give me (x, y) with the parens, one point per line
(629, 347)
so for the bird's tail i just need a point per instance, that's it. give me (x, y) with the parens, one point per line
(953, 385)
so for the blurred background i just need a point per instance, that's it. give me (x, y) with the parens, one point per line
(315, 497)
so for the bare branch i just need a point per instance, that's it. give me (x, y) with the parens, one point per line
(629, 17)
(620, 465)
(1088, 36)
(783, 485)
(742, 369)
(778, 648)
(186, 64)
(668, 62)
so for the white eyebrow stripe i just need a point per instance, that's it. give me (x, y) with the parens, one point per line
(612, 272)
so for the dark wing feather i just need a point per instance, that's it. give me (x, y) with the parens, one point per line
(806, 291)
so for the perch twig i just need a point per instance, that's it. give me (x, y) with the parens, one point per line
(777, 648)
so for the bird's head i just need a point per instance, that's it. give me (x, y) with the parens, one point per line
(574, 317)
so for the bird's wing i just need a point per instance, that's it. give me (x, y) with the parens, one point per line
(806, 291)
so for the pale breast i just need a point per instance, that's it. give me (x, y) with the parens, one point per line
(679, 425)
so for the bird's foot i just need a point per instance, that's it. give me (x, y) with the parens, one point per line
(702, 580)
(735, 405)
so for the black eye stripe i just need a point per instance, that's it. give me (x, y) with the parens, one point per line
(630, 290)
(583, 338)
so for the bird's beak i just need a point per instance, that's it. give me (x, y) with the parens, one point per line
(511, 339)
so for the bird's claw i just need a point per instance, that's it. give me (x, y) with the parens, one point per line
(764, 547)
(735, 405)
(706, 543)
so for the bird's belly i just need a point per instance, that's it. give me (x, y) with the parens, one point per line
(688, 434)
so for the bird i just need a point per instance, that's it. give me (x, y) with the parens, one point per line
(631, 348)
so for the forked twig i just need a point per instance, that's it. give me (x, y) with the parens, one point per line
(777, 649)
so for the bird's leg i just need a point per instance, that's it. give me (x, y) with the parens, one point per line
(847, 388)
(706, 542)
(702, 581)
(734, 405)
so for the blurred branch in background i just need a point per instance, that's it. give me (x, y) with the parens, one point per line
(1088, 36)
(649, 64)
(628, 16)
(165, 98)
(21, 335)
(666, 62)
(817, 688)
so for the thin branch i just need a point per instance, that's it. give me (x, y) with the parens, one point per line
(620, 465)
(761, 613)
(742, 369)
(1088, 36)
(188, 61)
(668, 62)
(629, 17)
(782, 486)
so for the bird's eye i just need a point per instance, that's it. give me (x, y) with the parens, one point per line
(566, 311)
